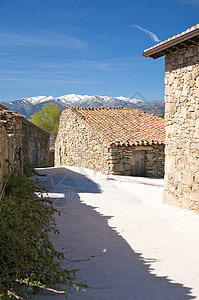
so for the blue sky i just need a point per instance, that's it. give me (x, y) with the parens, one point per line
(57, 47)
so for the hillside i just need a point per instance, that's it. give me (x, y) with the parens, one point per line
(28, 106)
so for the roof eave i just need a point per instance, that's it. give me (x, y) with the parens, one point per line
(37, 127)
(191, 37)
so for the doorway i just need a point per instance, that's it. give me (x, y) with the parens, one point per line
(35, 158)
(138, 163)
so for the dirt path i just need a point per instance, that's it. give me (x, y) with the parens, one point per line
(125, 243)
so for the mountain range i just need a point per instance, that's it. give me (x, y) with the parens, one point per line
(28, 106)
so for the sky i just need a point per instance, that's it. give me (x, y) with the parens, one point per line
(59, 47)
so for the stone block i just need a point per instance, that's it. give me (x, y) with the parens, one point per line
(192, 82)
(127, 167)
(180, 59)
(195, 59)
(197, 82)
(118, 167)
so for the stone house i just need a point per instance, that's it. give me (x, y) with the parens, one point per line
(113, 140)
(11, 141)
(36, 144)
(3, 152)
(181, 116)
(21, 140)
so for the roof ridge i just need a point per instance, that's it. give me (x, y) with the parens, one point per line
(96, 108)
(37, 127)
(76, 108)
(8, 111)
(11, 112)
(124, 126)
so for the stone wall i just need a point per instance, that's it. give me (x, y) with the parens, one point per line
(10, 144)
(120, 158)
(15, 153)
(3, 154)
(52, 157)
(182, 128)
(36, 144)
(155, 161)
(20, 140)
(76, 146)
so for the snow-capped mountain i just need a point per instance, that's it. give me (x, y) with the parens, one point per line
(36, 100)
(28, 106)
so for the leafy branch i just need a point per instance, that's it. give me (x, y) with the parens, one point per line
(27, 256)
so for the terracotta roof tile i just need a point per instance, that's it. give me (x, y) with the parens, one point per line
(6, 113)
(175, 37)
(122, 125)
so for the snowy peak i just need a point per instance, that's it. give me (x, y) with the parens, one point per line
(73, 98)
(36, 100)
(28, 106)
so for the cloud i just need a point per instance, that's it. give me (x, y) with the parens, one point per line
(149, 33)
(191, 1)
(36, 81)
(60, 71)
(62, 67)
(39, 39)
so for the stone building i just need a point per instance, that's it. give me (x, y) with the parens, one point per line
(21, 140)
(3, 152)
(36, 144)
(11, 141)
(181, 116)
(111, 140)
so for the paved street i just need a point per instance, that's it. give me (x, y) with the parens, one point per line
(125, 243)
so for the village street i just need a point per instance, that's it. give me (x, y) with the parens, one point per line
(123, 241)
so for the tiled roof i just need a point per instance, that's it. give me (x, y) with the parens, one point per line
(122, 125)
(6, 113)
(2, 106)
(189, 33)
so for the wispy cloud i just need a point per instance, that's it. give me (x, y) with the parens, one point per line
(152, 35)
(36, 81)
(190, 1)
(64, 65)
(73, 71)
(39, 39)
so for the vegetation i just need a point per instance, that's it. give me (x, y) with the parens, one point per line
(162, 116)
(28, 169)
(48, 118)
(27, 256)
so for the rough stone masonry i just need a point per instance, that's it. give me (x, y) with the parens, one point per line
(182, 127)
(181, 116)
(81, 141)
(20, 141)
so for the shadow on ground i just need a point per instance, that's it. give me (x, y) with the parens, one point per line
(58, 178)
(106, 262)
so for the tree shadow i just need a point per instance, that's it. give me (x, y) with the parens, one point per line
(58, 178)
(103, 258)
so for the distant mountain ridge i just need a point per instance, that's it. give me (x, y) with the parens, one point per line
(28, 106)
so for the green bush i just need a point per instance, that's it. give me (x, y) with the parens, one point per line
(28, 169)
(27, 256)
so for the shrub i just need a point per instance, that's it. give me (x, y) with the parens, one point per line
(28, 169)
(27, 256)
